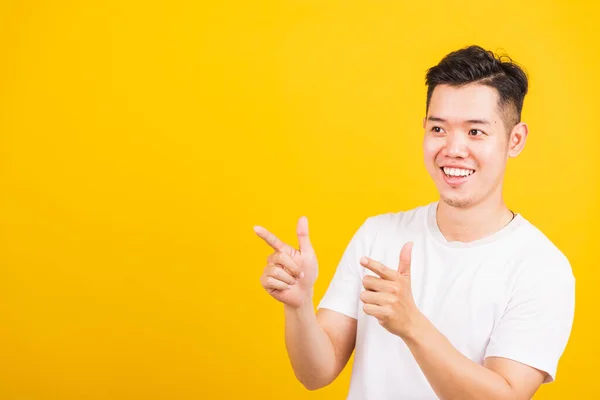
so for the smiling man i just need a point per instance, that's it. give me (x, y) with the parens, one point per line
(457, 299)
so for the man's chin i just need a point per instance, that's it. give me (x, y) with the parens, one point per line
(457, 201)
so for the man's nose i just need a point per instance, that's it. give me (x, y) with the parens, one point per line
(456, 145)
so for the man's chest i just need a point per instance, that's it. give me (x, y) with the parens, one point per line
(464, 297)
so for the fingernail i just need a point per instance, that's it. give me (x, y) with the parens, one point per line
(363, 260)
(301, 275)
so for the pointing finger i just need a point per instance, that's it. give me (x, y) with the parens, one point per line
(379, 268)
(272, 240)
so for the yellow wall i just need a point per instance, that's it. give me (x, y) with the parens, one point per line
(141, 141)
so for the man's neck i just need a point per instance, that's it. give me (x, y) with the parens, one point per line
(473, 223)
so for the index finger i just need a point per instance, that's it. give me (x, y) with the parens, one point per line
(380, 269)
(271, 239)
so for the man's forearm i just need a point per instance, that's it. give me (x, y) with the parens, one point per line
(451, 374)
(310, 350)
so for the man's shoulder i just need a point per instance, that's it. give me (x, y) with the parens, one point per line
(399, 218)
(537, 249)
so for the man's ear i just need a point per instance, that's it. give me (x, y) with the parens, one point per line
(424, 120)
(517, 138)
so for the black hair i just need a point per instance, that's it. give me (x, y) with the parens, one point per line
(474, 64)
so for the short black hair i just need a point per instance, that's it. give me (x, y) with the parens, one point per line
(474, 64)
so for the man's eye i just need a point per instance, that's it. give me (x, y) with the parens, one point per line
(437, 129)
(475, 131)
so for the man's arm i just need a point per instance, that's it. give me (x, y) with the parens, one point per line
(454, 376)
(319, 346)
(451, 374)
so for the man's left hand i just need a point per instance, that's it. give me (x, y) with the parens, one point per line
(389, 298)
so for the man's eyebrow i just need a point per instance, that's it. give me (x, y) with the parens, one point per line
(478, 121)
(471, 121)
(436, 119)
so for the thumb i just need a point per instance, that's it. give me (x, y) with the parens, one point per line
(302, 232)
(405, 256)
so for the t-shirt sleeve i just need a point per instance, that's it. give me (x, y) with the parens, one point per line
(536, 325)
(343, 292)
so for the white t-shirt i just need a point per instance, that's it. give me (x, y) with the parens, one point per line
(510, 294)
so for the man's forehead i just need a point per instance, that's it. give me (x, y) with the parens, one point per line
(472, 102)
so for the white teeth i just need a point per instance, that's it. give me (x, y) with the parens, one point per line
(458, 171)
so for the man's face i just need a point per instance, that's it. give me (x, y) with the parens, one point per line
(465, 144)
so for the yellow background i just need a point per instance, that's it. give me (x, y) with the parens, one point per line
(141, 141)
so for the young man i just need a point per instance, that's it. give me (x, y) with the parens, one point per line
(457, 299)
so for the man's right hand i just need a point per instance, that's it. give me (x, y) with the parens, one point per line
(290, 273)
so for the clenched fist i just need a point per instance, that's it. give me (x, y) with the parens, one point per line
(290, 273)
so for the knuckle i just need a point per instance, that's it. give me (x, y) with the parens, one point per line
(284, 271)
(266, 283)
(281, 275)
(276, 281)
(289, 262)
(270, 269)
(283, 259)
(274, 257)
(263, 280)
